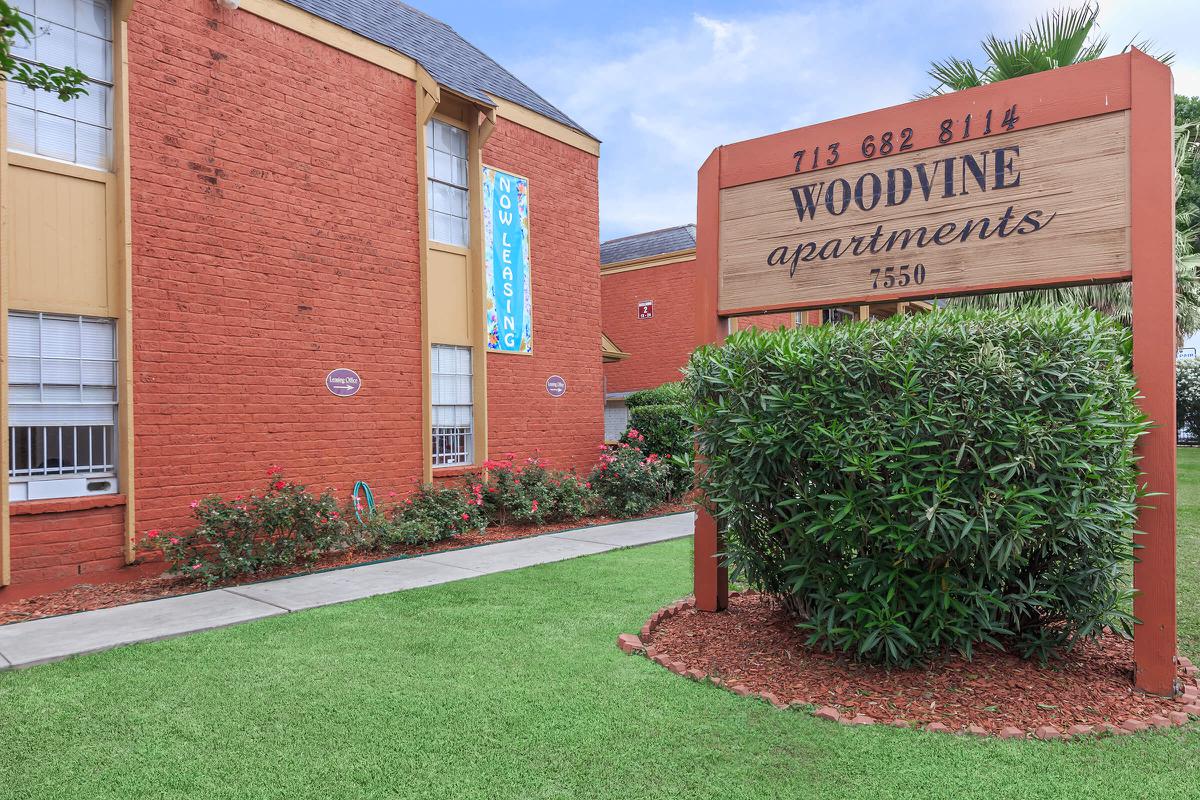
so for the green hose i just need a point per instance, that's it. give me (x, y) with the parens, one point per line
(361, 486)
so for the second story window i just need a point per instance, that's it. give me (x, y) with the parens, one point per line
(446, 166)
(66, 33)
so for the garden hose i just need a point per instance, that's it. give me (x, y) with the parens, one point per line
(361, 486)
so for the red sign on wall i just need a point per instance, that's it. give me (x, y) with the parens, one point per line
(645, 309)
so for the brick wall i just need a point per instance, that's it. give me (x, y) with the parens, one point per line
(565, 251)
(274, 195)
(657, 347)
(63, 546)
(766, 322)
(275, 238)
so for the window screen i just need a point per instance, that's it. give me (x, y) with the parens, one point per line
(453, 427)
(447, 167)
(62, 396)
(66, 33)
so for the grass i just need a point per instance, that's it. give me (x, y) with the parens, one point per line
(510, 686)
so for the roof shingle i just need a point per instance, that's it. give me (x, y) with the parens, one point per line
(450, 59)
(645, 245)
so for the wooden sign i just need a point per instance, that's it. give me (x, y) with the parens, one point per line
(986, 211)
(1059, 178)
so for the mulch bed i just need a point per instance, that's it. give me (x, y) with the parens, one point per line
(89, 597)
(757, 645)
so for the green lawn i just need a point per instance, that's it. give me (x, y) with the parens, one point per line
(510, 686)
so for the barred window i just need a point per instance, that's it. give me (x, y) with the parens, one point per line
(453, 425)
(62, 406)
(66, 33)
(447, 167)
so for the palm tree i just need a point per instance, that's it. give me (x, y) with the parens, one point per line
(1058, 39)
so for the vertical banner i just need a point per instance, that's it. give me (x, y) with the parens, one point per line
(506, 262)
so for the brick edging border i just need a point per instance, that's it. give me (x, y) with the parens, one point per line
(1188, 699)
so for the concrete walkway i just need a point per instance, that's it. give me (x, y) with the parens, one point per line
(24, 644)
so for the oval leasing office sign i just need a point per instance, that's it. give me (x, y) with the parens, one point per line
(343, 382)
(556, 386)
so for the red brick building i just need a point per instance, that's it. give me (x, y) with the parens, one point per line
(647, 282)
(646, 286)
(246, 201)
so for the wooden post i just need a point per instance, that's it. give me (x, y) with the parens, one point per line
(1152, 209)
(711, 579)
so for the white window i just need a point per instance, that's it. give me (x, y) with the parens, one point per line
(616, 419)
(66, 33)
(453, 426)
(62, 406)
(447, 167)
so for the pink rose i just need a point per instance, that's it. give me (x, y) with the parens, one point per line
(152, 534)
(466, 515)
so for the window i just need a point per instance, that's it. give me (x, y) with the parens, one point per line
(836, 315)
(62, 406)
(66, 33)
(616, 419)
(453, 428)
(446, 166)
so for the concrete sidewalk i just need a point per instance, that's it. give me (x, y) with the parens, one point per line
(24, 644)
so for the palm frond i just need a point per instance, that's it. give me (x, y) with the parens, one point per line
(953, 75)
(1147, 46)
(1062, 35)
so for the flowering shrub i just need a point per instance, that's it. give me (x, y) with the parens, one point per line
(627, 482)
(431, 514)
(234, 538)
(530, 492)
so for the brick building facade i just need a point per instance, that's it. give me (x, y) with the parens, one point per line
(268, 202)
(647, 285)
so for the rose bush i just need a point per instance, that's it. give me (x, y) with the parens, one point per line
(628, 482)
(283, 526)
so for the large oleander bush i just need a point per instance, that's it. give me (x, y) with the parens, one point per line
(929, 483)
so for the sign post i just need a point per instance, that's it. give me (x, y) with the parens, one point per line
(1059, 178)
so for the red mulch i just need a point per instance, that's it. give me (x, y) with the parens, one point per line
(755, 643)
(89, 597)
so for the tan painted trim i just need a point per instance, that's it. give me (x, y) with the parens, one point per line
(545, 126)
(347, 41)
(122, 236)
(59, 167)
(609, 350)
(661, 260)
(449, 120)
(5, 566)
(335, 36)
(442, 247)
(426, 104)
(476, 308)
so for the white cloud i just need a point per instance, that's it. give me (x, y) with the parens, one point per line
(663, 98)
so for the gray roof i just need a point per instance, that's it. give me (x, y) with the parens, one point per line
(452, 61)
(645, 245)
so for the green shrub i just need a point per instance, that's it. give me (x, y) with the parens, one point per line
(530, 493)
(430, 514)
(1187, 397)
(663, 430)
(628, 482)
(929, 482)
(236, 538)
(665, 395)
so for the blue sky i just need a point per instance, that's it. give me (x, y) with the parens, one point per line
(662, 83)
